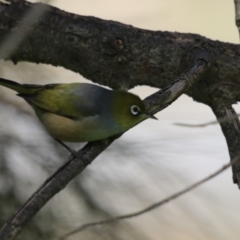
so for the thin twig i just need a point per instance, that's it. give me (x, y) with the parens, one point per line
(166, 96)
(195, 125)
(153, 206)
(204, 124)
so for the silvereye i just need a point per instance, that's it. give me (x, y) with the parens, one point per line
(81, 112)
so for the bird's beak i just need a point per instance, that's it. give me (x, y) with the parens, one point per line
(148, 115)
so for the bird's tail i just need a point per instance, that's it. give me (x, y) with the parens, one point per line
(27, 89)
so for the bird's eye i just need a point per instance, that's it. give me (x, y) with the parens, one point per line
(135, 110)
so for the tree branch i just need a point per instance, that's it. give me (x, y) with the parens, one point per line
(229, 122)
(73, 167)
(119, 55)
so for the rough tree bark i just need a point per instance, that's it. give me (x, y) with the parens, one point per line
(121, 56)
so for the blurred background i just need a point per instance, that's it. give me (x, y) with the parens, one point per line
(147, 164)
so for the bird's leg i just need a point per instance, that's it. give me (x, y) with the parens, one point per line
(72, 151)
(74, 154)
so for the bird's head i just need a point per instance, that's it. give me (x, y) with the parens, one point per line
(128, 109)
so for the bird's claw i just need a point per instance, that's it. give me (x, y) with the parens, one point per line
(76, 154)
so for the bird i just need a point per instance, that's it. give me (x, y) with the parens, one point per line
(81, 112)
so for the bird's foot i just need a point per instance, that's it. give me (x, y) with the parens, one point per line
(76, 154)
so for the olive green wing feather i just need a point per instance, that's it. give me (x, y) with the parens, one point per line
(69, 100)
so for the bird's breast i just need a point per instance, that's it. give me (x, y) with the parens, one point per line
(82, 130)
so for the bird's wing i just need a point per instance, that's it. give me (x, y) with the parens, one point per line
(73, 100)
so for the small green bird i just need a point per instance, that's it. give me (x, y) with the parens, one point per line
(81, 112)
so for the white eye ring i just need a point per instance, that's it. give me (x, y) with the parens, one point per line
(135, 110)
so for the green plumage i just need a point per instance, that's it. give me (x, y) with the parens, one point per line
(80, 112)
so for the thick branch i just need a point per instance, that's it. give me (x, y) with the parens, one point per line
(118, 55)
(229, 122)
(72, 168)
